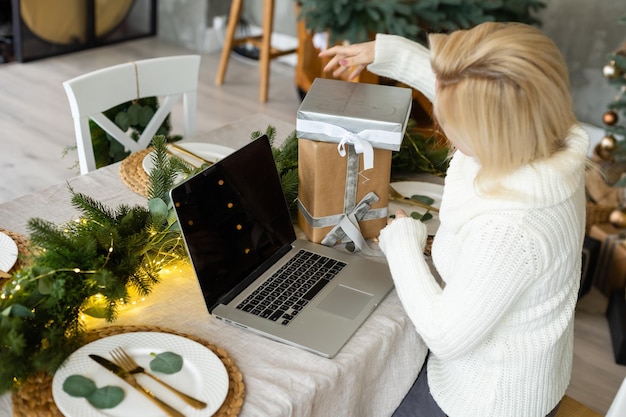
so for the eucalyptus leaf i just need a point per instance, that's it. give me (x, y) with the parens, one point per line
(44, 285)
(171, 217)
(133, 114)
(18, 310)
(167, 363)
(423, 199)
(122, 121)
(421, 217)
(158, 210)
(106, 397)
(144, 116)
(78, 386)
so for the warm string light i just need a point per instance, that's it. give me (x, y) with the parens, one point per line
(165, 261)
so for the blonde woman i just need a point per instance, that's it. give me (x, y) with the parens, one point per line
(500, 330)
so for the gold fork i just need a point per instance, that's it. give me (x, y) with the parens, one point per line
(125, 361)
(395, 195)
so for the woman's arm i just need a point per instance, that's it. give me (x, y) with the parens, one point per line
(406, 61)
(496, 264)
(390, 56)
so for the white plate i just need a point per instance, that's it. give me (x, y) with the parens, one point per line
(8, 252)
(203, 376)
(409, 188)
(208, 151)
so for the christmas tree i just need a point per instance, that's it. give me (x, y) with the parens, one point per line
(615, 72)
(606, 187)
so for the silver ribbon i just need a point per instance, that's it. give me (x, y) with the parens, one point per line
(346, 224)
(362, 140)
(349, 226)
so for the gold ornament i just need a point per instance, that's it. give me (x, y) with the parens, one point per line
(618, 218)
(608, 143)
(609, 118)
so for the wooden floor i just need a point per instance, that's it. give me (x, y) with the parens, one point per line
(36, 126)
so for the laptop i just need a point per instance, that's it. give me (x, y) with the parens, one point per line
(241, 240)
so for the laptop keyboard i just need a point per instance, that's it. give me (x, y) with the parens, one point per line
(290, 288)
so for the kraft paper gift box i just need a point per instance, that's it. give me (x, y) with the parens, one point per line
(611, 264)
(346, 133)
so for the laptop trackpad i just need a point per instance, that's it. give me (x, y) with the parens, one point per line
(345, 301)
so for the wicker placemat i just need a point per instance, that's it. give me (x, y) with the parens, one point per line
(34, 398)
(132, 172)
(22, 243)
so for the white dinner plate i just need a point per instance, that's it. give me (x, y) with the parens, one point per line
(208, 151)
(410, 188)
(8, 252)
(203, 376)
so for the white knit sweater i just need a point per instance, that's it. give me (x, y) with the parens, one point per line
(501, 332)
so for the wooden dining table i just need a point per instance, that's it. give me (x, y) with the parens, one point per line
(368, 377)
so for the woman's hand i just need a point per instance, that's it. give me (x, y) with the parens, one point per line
(399, 214)
(357, 56)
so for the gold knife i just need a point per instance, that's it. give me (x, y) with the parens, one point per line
(189, 153)
(116, 370)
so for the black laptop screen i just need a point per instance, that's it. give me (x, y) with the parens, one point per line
(234, 219)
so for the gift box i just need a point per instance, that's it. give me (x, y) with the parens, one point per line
(346, 133)
(611, 264)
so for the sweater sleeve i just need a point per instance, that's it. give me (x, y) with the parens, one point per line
(492, 270)
(406, 61)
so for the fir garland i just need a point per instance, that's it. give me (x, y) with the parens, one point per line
(101, 256)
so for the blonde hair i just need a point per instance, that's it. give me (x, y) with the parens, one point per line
(503, 93)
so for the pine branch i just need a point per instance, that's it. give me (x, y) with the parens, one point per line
(93, 209)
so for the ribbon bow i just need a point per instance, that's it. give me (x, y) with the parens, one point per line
(362, 140)
(361, 146)
(348, 226)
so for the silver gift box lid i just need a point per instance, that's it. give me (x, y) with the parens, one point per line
(355, 107)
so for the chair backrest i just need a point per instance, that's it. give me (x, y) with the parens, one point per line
(169, 78)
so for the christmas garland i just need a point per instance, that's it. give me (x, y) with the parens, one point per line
(91, 265)
(102, 255)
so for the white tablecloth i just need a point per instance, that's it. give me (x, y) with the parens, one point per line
(369, 377)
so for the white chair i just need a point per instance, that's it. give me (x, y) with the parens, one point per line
(169, 78)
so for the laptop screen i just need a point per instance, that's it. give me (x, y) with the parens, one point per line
(234, 219)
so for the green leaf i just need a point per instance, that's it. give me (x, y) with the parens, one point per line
(158, 210)
(44, 285)
(18, 310)
(106, 397)
(98, 312)
(427, 216)
(423, 199)
(78, 386)
(122, 121)
(144, 116)
(167, 363)
(421, 217)
(133, 114)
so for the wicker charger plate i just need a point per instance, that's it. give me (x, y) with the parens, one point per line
(22, 243)
(132, 172)
(34, 398)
